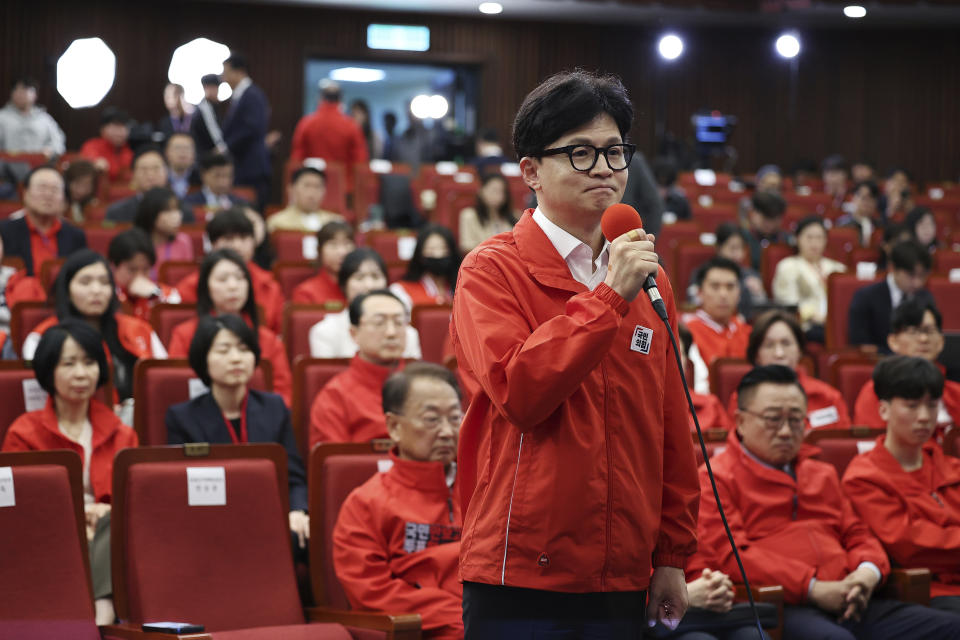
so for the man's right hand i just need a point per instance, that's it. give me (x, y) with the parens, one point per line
(830, 595)
(631, 261)
(141, 287)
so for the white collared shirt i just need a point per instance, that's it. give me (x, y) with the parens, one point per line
(896, 293)
(578, 255)
(241, 87)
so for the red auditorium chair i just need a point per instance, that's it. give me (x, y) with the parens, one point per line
(246, 193)
(842, 240)
(33, 159)
(432, 321)
(49, 269)
(157, 384)
(725, 375)
(99, 236)
(769, 259)
(195, 232)
(367, 184)
(8, 207)
(452, 197)
(298, 317)
(951, 442)
(24, 317)
(849, 372)
(290, 273)
(670, 237)
(336, 469)
(840, 446)
(713, 439)
(944, 261)
(840, 290)
(947, 296)
(309, 377)
(227, 566)
(172, 272)
(12, 375)
(165, 317)
(289, 244)
(387, 243)
(687, 258)
(711, 217)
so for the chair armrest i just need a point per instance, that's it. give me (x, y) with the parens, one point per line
(128, 631)
(771, 594)
(908, 585)
(399, 626)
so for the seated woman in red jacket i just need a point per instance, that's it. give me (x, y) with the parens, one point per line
(777, 338)
(224, 353)
(225, 286)
(85, 290)
(396, 542)
(70, 365)
(905, 489)
(432, 272)
(334, 242)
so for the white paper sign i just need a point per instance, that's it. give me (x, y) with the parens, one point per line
(865, 445)
(708, 239)
(511, 169)
(384, 465)
(954, 275)
(405, 247)
(196, 387)
(206, 486)
(378, 165)
(34, 397)
(866, 270)
(446, 168)
(823, 417)
(6, 488)
(309, 247)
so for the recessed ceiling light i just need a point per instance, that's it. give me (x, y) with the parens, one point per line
(788, 45)
(490, 8)
(357, 74)
(670, 47)
(854, 11)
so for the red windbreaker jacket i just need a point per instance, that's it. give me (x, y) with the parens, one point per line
(915, 514)
(396, 542)
(577, 467)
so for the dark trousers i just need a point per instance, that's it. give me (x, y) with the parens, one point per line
(882, 620)
(946, 603)
(511, 613)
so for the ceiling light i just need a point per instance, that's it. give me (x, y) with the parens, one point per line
(192, 61)
(854, 11)
(429, 107)
(490, 8)
(85, 72)
(670, 47)
(224, 92)
(357, 74)
(788, 45)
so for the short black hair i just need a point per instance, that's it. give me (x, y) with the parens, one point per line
(906, 377)
(769, 205)
(353, 260)
(229, 222)
(47, 355)
(915, 216)
(717, 262)
(762, 324)
(834, 163)
(43, 167)
(213, 159)
(205, 302)
(907, 255)
(207, 329)
(238, 61)
(415, 268)
(909, 313)
(565, 101)
(356, 305)
(303, 171)
(144, 150)
(771, 373)
(726, 230)
(113, 115)
(154, 201)
(210, 80)
(810, 220)
(397, 386)
(127, 244)
(870, 185)
(24, 81)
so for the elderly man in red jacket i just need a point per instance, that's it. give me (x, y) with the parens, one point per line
(578, 469)
(795, 527)
(397, 538)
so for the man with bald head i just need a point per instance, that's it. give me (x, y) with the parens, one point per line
(37, 233)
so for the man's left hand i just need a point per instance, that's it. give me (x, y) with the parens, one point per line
(668, 597)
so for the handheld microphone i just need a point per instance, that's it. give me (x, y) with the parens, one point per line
(617, 220)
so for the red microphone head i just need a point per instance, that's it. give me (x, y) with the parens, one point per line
(618, 219)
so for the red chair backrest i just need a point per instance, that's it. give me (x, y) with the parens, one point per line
(947, 295)
(386, 243)
(712, 217)
(8, 207)
(49, 269)
(769, 259)
(951, 442)
(842, 240)
(99, 237)
(850, 374)
(670, 237)
(289, 244)
(840, 446)
(687, 258)
(840, 290)
(158, 384)
(725, 376)
(335, 198)
(298, 318)
(24, 317)
(195, 232)
(714, 440)
(290, 273)
(309, 377)
(174, 561)
(172, 272)
(165, 317)
(433, 324)
(26, 157)
(336, 469)
(944, 261)
(45, 591)
(12, 375)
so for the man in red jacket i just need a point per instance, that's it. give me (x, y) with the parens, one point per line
(577, 465)
(328, 133)
(795, 527)
(397, 538)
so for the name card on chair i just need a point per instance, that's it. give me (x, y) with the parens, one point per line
(6, 487)
(405, 247)
(34, 397)
(206, 486)
(309, 248)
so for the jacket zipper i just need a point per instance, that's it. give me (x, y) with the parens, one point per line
(609, 518)
(506, 538)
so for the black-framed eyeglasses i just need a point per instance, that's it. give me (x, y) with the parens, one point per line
(773, 422)
(583, 157)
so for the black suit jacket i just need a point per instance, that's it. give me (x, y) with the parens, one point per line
(869, 314)
(197, 199)
(244, 129)
(268, 420)
(16, 240)
(126, 210)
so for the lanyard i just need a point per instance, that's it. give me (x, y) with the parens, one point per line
(243, 423)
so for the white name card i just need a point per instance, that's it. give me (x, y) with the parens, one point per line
(196, 388)
(309, 248)
(384, 465)
(206, 486)
(6, 487)
(405, 247)
(954, 275)
(34, 397)
(866, 270)
(864, 446)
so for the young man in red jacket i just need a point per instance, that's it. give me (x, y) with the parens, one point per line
(905, 488)
(795, 527)
(577, 465)
(397, 538)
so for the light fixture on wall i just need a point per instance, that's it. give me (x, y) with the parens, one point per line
(192, 61)
(490, 8)
(670, 47)
(357, 74)
(85, 72)
(854, 11)
(788, 45)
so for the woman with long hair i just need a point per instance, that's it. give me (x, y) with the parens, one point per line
(432, 272)
(493, 213)
(159, 215)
